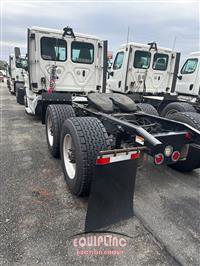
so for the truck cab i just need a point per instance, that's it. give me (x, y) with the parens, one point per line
(143, 68)
(79, 60)
(17, 71)
(189, 76)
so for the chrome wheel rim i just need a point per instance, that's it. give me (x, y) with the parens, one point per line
(50, 131)
(69, 156)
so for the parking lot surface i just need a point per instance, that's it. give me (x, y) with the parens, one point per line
(38, 214)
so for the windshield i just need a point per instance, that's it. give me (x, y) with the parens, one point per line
(21, 63)
(118, 61)
(190, 66)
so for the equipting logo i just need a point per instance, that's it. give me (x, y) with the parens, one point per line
(103, 243)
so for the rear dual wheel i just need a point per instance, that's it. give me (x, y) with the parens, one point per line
(81, 140)
(55, 116)
(176, 107)
(20, 93)
(147, 108)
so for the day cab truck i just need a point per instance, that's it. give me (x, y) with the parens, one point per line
(151, 74)
(2, 75)
(102, 139)
(75, 62)
(99, 136)
(17, 70)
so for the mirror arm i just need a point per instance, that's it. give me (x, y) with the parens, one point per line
(178, 77)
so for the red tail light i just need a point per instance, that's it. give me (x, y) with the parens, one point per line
(187, 136)
(135, 156)
(103, 160)
(159, 159)
(176, 156)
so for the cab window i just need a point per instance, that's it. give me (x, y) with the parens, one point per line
(190, 66)
(160, 61)
(21, 63)
(82, 52)
(18, 63)
(53, 49)
(142, 59)
(118, 61)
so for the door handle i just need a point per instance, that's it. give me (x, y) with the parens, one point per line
(191, 87)
(119, 84)
(83, 73)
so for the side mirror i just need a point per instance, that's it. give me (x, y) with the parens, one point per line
(32, 36)
(17, 52)
(111, 73)
(179, 77)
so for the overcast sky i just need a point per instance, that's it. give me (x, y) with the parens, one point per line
(148, 21)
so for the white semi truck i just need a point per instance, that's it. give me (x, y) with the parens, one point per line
(77, 60)
(151, 74)
(144, 69)
(17, 71)
(189, 83)
(98, 135)
(187, 87)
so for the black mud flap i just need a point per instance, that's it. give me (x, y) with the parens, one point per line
(111, 196)
(194, 155)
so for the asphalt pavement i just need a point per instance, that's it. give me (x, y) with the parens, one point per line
(38, 214)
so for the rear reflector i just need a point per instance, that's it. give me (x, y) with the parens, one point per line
(135, 156)
(176, 156)
(159, 158)
(187, 136)
(103, 160)
(118, 157)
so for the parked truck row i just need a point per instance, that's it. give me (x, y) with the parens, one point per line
(151, 74)
(102, 123)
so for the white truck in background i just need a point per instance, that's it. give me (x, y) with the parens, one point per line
(144, 69)
(189, 77)
(150, 74)
(77, 60)
(17, 71)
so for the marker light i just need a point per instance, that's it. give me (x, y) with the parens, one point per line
(168, 151)
(187, 136)
(176, 156)
(135, 156)
(103, 160)
(159, 158)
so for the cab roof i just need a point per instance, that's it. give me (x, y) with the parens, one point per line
(195, 54)
(145, 46)
(56, 31)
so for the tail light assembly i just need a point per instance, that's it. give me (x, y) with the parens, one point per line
(176, 156)
(188, 136)
(159, 159)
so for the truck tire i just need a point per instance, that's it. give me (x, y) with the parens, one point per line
(81, 139)
(147, 108)
(193, 160)
(172, 108)
(20, 93)
(55, 116)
